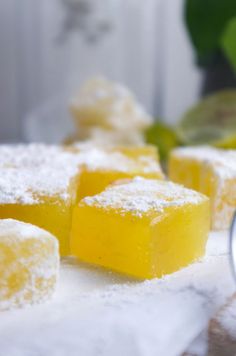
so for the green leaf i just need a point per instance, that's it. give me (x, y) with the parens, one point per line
(206, 21)
(228, 42)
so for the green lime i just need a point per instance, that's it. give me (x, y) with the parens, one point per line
(227, 142)
(162, 136)
(212, 121)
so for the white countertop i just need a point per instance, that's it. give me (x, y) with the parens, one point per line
(98, 313)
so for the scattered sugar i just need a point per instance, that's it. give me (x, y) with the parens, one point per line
(227, 318)
(141, 195)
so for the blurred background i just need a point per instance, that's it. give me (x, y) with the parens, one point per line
(49, 48)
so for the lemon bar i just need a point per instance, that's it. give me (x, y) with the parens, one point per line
(29, 264)
(99, 168)
(109, 105)
(105, 111)
(38, 185)
(212, 172)
(141, 227)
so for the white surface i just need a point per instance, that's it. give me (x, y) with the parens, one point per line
(95, 312)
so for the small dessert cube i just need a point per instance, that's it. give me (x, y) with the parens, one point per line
(29, 264)
(141, 227)
(212, 172)
(109, 105)
(38, 185)
(99, 168)
(105, 111)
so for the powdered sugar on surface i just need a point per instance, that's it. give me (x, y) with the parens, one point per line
(227, 318)
(96, 312)
(140, 196)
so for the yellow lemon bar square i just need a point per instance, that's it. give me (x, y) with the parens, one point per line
(100, 167)
(142, 227)
(109, 105)
(38, 185)
(212, 172)
(29, 264)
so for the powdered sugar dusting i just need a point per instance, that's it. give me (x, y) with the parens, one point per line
(140, 195)
(30, 256)
(98, 159)
(118, 107)
(222, 164)
(222, 161)
(100, 89)
(95, 159)
(29, 172)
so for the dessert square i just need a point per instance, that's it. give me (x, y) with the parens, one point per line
(109, 105)
(100, 168)
(141, 227)
(29, 264)
(38, 185)
(212, 172)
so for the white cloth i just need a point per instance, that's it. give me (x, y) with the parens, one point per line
(96, 312)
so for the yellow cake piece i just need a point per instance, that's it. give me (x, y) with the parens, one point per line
(141, 227)
(99, 168)
(107, 104)
(38, 185)
(29, 264)
(105, 111)
(212, 172)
